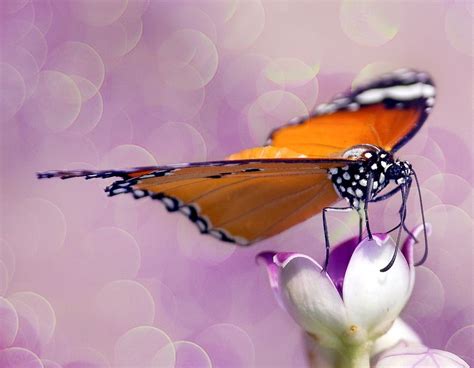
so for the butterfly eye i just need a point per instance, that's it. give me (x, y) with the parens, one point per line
(394, 171)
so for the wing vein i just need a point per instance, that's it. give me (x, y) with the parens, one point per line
(295, 210)
(216, 190)
(265, 205)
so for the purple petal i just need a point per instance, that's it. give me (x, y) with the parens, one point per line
(338, 261)
(273, 271)
(381, 238)
(283, 257)
(272, 267)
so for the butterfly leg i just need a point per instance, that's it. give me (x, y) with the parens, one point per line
(326, 232)
(408, 187)
(404, 191)
(425, 234)
(361, 222)
(368, 193)
(388, 195)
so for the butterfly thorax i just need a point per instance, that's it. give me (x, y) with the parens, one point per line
(365, 179)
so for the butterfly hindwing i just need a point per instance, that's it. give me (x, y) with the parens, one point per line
(385, 113)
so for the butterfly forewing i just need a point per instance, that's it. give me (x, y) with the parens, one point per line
(385, 113)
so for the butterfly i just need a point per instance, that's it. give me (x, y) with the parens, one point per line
(344, 150)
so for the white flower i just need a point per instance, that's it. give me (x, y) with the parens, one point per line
(348, 308)
(399, 332)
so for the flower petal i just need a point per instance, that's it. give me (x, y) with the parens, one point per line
(399, 332)
(339, 260)
(374, 299)
(312, 299)
(273, 271)
(419, 356)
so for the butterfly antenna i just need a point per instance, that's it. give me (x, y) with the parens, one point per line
(402, 220)
(425, 235)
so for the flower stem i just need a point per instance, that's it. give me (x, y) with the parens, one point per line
(354, 357)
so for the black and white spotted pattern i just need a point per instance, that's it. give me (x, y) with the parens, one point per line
(352, 181)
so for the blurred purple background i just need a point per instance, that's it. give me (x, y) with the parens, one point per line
(89, 281)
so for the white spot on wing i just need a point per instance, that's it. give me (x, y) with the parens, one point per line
(400, 93)
(186, 210)
(169, 203)
(353, 106)
(139, 193)
(119, 190)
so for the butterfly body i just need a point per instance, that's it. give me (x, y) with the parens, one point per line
(364, 179)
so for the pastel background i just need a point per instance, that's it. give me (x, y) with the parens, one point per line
(91, 281)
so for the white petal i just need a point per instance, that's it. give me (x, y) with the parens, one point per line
(374, 299)
(399, 331)
(419, 357)
(312, 299)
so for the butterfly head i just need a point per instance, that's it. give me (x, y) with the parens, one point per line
(399, 171)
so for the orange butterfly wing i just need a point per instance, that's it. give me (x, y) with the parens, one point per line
(249, 210)
(385, 113)
(240, 201)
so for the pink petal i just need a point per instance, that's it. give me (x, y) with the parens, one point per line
(273, 271)
(339, 260)
(341, 255)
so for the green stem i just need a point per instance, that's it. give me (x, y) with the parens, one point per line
(354, 357)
